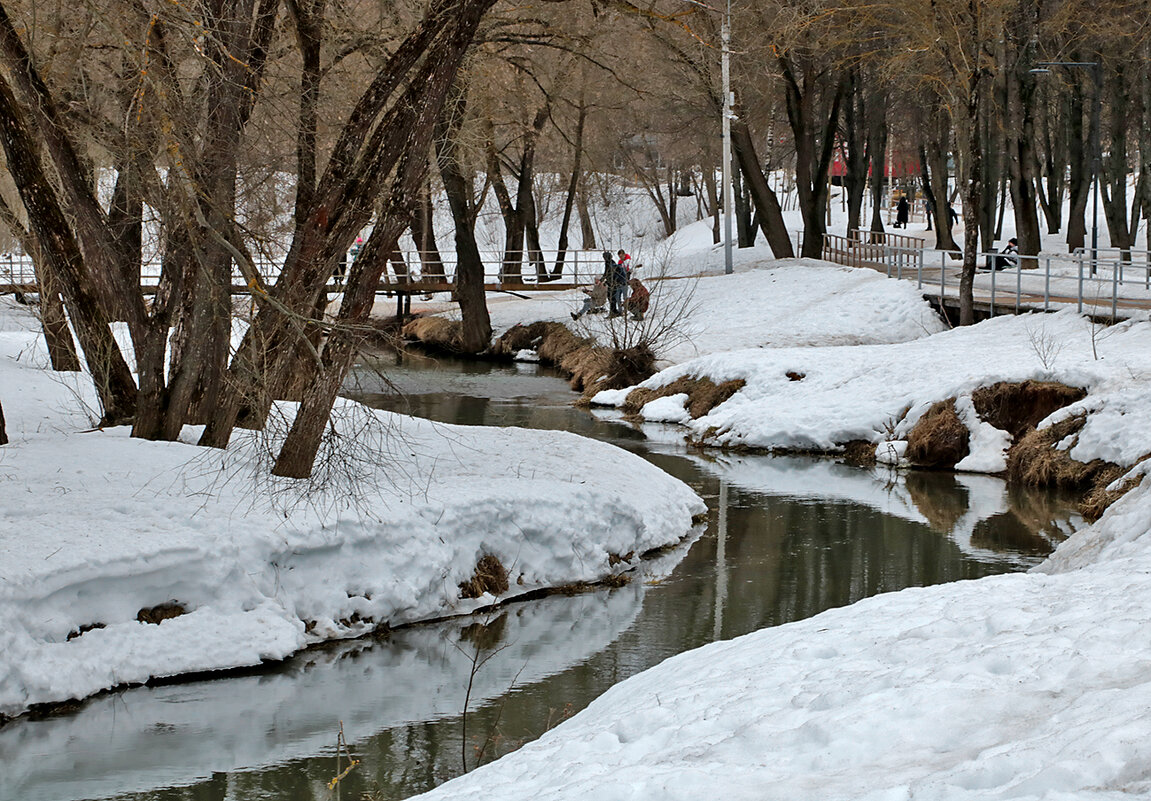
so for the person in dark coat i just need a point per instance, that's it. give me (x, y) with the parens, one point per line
(1009, 256)
(616, 287)
(902, 212)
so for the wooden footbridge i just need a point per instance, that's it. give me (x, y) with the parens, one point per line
(417, 274)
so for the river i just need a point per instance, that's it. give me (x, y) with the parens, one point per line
(785, 538)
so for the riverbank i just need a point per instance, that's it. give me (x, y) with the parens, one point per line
(126, 560)
(1027, 686)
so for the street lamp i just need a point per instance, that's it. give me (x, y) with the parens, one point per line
(728, 194)
(726, 112)
(1096, 67)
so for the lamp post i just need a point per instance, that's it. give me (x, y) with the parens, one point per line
(1096, 67)
(728, 193)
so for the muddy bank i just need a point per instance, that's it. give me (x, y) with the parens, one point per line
(588, 366)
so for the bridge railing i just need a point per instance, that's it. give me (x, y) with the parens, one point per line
(1092, 279)
(404, 267)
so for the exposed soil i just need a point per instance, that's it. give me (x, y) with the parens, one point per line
(1018, 407)
(157, 614)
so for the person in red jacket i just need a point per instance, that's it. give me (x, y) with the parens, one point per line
(639, 299)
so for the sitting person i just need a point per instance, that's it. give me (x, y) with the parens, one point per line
(1008, 257)
(595, 300)
(639, 299)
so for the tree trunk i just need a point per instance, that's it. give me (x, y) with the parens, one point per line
(424, 235)
(937, 146)
(477, 324)
(714, 201)
(587, 231)
(419, 110)
(856, 115)
(1079, 166)
(113, 381)
(766, 202)
(814, 145)
(1113, 181)
(573, 188)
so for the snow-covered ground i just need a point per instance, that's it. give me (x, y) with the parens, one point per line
(1024, 686)
(96, 526)
(1033, 686)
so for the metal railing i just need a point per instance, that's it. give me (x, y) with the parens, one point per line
(410, 266)
(1092, 279)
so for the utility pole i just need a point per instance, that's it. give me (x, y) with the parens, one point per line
(728, 195)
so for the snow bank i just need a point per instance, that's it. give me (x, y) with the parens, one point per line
(97, 526)
(1023, 686)
(878, 392)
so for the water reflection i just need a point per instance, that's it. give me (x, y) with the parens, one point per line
(785, 539)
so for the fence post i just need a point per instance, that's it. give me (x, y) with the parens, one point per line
(993, 292)
(1047, 287)
(1018, 282)
(1114, 289)
(1079, 306)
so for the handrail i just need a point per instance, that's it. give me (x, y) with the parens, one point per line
(1044, 281)
(579, 266)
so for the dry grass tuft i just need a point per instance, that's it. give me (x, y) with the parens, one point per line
(859, 453)
(703, 394)
(1034, 460)
(156, 614)
(435, 332)
(490, 576)
(1017, 407)
(1096, 501)
(939, 439)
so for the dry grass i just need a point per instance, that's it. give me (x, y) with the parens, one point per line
(156, 614)
(490, 576)
(590, 367)
(939, 439)
(703, 394)
(859, 453)
(1034, 460)
(1017, 407)
(1096, 501)
(435, 332)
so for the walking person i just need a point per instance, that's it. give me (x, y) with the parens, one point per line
(928, 210)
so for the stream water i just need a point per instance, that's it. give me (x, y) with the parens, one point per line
(785, 539)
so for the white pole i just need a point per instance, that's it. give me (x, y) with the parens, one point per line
(728, 196)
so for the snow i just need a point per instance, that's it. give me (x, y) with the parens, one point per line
(1021, 686)
(1032, 685)
(97, 526)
